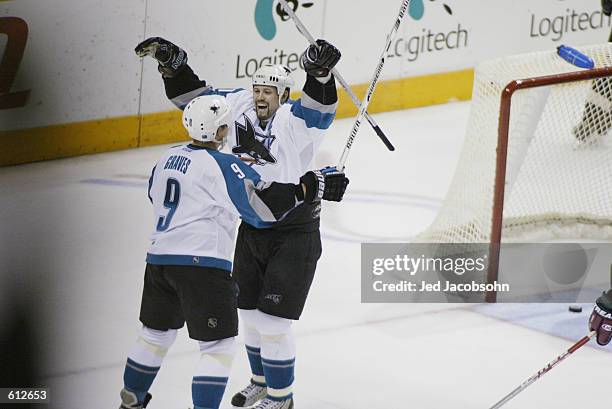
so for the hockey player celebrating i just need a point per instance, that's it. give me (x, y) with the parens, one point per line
(197, 194)
(274, 267)
(601, 318)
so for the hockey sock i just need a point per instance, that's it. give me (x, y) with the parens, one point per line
(257, 370)
(145, 359)
(252, 342)
(277, 355)
(138, 378)
(279, 377)
(211, 376)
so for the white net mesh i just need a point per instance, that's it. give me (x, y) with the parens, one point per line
(559, 163)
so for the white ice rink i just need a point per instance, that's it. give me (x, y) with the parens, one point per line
(82, 225)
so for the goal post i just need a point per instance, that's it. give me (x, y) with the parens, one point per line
(536, 163)
(502, 153)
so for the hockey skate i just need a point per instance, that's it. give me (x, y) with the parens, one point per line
(249, 396)
(268, 403)
(130, 401)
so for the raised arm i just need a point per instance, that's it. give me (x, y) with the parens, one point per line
(319, 101)
(180, 82)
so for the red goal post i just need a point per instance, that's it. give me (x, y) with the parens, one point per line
(502, 152)
(536, 162)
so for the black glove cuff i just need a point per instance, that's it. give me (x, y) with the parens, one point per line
(174, 64)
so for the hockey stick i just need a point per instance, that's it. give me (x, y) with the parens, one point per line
(304, 31)
(366, 101)
(542, 371)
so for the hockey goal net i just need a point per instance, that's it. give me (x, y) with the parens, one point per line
(536, 163)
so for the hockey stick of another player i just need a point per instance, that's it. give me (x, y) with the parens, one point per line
(542, 371)
(304, 31)
(366, 101)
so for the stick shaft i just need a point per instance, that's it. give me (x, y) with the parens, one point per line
(304, 31)
(544, 370)
(370, 92)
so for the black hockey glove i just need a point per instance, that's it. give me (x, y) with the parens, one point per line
(318, 60)
(601, 318)
(606, 5)
(325, 184)
(171, 58)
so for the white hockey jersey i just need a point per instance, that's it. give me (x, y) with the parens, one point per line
(197, 196)
(284, 149)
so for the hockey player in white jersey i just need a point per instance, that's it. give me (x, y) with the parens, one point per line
(198, 193)
(274, 268)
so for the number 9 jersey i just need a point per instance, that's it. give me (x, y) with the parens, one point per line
(197, 196)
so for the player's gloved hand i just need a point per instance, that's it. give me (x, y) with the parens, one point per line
(601, 318)
(318, 60)
(606, 5)
(171, 58)
(325, 184)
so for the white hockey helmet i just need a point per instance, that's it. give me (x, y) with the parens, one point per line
(277, 76)
(203, 116)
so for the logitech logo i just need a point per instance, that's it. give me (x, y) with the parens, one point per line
(264, 15)
(431, 39)
(416, 9)
(556, 24)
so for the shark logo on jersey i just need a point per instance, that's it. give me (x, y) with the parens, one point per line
(253, 144)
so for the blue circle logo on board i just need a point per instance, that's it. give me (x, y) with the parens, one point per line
(265, 15)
